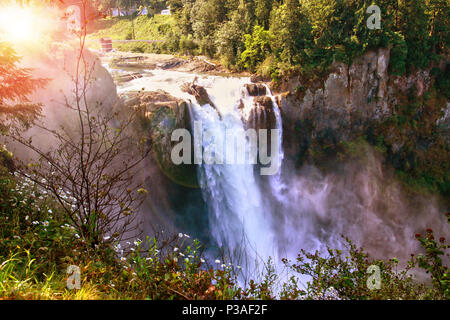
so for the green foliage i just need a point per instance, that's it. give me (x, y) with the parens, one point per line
(16, 85)
(308, 35)
(256, 48)
(157, 27)
(206, 15)
(399, 54)
(414, 27)
(291, 32)
(432, 262)
(229, 40)
(346, 274)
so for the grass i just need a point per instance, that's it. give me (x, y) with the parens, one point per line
(158, 27)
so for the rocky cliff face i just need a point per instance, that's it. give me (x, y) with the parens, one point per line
(160, 115)
(343, 105)
(406, 116)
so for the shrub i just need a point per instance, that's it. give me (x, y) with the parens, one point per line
(256, 48)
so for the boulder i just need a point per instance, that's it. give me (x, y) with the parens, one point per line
(159, 115)
(256, 89)
(200, 94)
(262, 115)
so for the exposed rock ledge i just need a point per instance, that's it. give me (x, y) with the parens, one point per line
(356, 100)
(160, 114)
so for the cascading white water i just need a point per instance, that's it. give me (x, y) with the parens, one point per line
(239, 222)
(276, 182)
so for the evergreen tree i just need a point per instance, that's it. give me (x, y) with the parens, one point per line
(16, 84)
(291, 32)
(414, 27)
(262, 12)
(438, 25)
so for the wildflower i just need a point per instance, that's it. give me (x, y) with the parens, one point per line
(202, 260)
(106, 238)
(35, 222)
(27, 217)
(50, 211)
(180, 235)
(223, 265)
(442, 239)
(123, 259)
(181, 254)
(175, 249)
(187, 236)
(239, 267)
(217, 261)
(45, 223)
(429, 231)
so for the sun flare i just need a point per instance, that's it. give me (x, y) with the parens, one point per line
(20, 24)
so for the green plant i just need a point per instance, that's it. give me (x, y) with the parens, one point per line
(344, 275)
(256, 48)
(432, 263)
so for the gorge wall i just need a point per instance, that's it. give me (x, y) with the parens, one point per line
(405, 117)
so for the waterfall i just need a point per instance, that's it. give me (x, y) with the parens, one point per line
(240, 221)
(253, 217)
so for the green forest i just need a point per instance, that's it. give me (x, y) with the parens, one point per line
(277, 38)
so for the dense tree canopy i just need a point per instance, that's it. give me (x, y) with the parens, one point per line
(307, 34)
